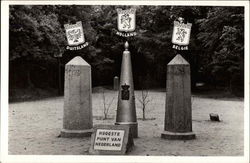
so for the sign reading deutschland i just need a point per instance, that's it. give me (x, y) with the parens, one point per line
(126, 22)
(75, 36)
(181, 35)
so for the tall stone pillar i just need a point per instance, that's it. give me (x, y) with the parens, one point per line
(126, 111)
(178, 114)
(77, 115)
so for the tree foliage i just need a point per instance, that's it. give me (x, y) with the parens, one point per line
(222, 37)
(37, 33)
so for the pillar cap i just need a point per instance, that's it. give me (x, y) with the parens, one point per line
(126, 45)
(178, 60)
(78, 61)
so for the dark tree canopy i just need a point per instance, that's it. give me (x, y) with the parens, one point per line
(37, 33)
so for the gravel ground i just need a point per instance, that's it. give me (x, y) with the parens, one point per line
(34, 127)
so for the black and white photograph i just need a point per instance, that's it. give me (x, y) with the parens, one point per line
(124, 81)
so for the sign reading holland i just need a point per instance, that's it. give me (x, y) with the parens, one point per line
(181, 35)
(126, 22)
(75, 36)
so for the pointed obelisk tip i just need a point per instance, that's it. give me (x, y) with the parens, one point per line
(126, 45)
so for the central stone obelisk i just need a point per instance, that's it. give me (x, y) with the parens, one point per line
(126, 111)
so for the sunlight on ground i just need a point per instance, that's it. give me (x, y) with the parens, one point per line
(34, 127)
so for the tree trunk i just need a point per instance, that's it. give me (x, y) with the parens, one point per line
(29, 81)
(143, 113)
(105, 116)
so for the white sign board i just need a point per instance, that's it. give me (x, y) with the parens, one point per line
(126, 20)
(109, 139)
(181, 33)
(74, 33)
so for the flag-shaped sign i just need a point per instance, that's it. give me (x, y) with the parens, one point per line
(74, 33)
(181, 34)
(126, 20)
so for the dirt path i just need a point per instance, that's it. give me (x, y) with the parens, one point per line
(34, 127)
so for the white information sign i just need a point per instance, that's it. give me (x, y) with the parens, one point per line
(126, 20)
(74, 33)
(181, 33)
(111, 140)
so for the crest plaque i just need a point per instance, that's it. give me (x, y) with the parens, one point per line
(181, 35)
(125, 92)
(75, 36)
(126, 22)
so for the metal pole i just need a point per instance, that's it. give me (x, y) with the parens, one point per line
(59, 76)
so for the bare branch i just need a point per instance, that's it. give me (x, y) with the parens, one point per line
(106, 104)
(144, 100)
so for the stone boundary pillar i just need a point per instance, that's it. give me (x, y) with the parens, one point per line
(178, 114)
(77, 115)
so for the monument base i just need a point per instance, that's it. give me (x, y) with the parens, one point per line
(178, 135)
(76, 133)
(133, 127)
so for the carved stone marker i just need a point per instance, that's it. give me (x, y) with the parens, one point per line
(178, 115)
(77, 115)
(116, 83)
(126, 110)
(111, 140)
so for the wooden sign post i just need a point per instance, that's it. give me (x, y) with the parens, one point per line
(111, 140)
(59, 56)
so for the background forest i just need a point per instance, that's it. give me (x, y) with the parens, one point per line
(36, 35)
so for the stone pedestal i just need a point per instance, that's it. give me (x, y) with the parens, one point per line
(126, 111)
(178, 115)
(77, 116)
(116, 83)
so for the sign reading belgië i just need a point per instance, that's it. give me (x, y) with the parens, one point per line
(181, 35)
